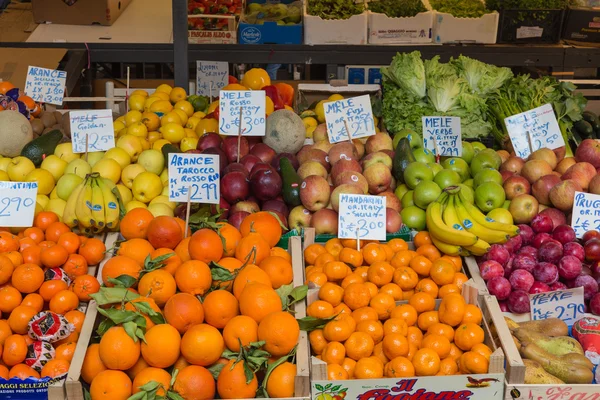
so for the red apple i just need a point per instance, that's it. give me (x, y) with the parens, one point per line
(535, 169)
(516, 185)
(230, 147)
(560, 153)
(292, 158)
(236, 218)
(557, 216)
(345, 165)
(562, 195)
(249, 161)
(352, 177)
(582, 173)
(299, 218)
(325, 221)
(342, 151)
(391, 201)
(541, 188)
(248, 206)
(523, 208)
(513, 164)
(264, 152)
(209, 139)
(276, 205)
(589, 151)
(594, 186)
(235, 167)
(393, 220)
(506, 175)
(565, 164)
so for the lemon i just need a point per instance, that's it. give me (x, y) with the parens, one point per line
(189, 133)
(136, 102)
(162, 96)
(139, 92)
(171, 118)
(138, 129)
(121, 119)
(145, 143)
(118, 125)
(122, 132)
(161, 107)
(501, 215)
(159, 144)
(173, 132)
(309, 122)
(132, 117)
(185, 106)
(160, 209)
(151, 121)
(192, 123)
(149, 101)
(269, 105)
(164, 88)
(207, 125)
(182, 115)
(212, 107)
(199, 114)
(335, 97)
(309, 131)
(154, 136)
(320, 111)
(177, 94)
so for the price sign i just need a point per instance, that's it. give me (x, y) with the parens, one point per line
(361, 216)
(533, 130)
(586, 213)
(254, 112)
(194, 177)
(349, 118)
(46, 85)
(17, 203)
(211, 77)
(96, 126)
(566, 305)
(442, 134)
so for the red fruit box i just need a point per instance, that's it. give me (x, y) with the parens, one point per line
(212, 29)
(473, 387)
(74, 385)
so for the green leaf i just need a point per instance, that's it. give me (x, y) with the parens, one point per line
(274, 365)
(221, 274)
(138, 396)
(145, 308)
(113, 295)
(299, 293)
(86, 394)
(328, 386)
(174, 377)
(131, 328)
(284, 292)
(336, 388)
(123, 281)
(309, 324)
(174, 396)
(216, 369)
(319, 387)
(248, 373)
(105, 325)
(152, 264)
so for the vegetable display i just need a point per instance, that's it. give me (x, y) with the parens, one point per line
(398, 8)
(460, 8)
(525, 4)
(334, 9)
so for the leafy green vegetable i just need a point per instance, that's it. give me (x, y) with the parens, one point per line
(397, 8)
(408, 72)
(525, 4)
(460, 8)
(335, 9)
(482, 78)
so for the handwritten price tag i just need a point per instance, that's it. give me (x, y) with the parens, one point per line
(96, 125)
(211, 77)
(351, 117)
(254, 112)
(361, 216)
(196, 176)
(17, 203)
(443, 134)
(566, 305)
(538, 127)
(586, 213)
(46, 85)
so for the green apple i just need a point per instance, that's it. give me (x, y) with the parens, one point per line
(426, 192)
(447, 177)
(152, 160)
(64, 151)
(160, 209)
(424, 155)
(478, 146)
(469, 183)
(129, 173)
(163, 199)
(294, 15)
(125, 193)
(501, 215)
(485, 160)
(401, 190)
(414, 218)
(4, 163)
(132, 145)
(78, 167)
(487, 175)
(55, 165)
(416, 172)
(467, 152)
(408, 199)
(457, 165)
(435, 168)
(57, 206)
(146, 186)
(44, 179)
(18, 168)
(94, 157)
(489, 195)
(4, 176)
(467, 193)
(66, 184)
(413, 137)
(254, 8)
(108, 168)
(42, 200)
(120, 155)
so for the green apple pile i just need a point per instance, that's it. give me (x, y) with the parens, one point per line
(283, 14)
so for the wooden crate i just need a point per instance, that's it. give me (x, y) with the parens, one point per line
(473, 272)
(74, 385)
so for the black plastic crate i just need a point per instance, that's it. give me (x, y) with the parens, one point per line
(530, 26)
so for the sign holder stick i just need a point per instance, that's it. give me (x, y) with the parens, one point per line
(187, 212)
(529, 141)
(437, 150)
(239, 135)
(127, 91)
(210, 92)
(348, 132)
(86, 146)
(357, 241)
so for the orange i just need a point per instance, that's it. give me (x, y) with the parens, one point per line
(320, 309)
(414, 336)
(363, 272)
(92, 363)
(393, 290)
(383, 304)
(468, 335)
(258, 300)
(333, 353)
(368, 368)
(395, 325)
(158, 285)
(14, 351)
(336, 372)
(233, 383)
(22, 371)
(111, 385)
(406, 312)
(253, 248)
(440, 344)
(335, 270)
(402, 258)
(93, 251)
(6, 269)
(151, 374)
(9, 298)
(339, 329)
(359, 345)
(76, 265)
(352, 257)
(473, 363)
(182, 249)
(51, 287)
(395, 345)
(265, 224)
(279, 252)
(85, 285)
(421, 265)
(460, 279)
(323, 259)
(117, 266)
(34, 301)
(70, 241)
(317, 278)
(380, 273)
(399, 367)
(379, 354)
(349, 365)
(63, 302)
(428, 286)
(27, 278)
(341, 309)
(195, 383)
(240, 328)
(281, 383)
(171, 263)
(20, 317)
(427, 319)
(406, 278)
(365, 314)
(429, 251)
(389, 253)
(351, 278)
(398, 245)
(164, 231)
(250, 274)
(202, 345)
(118, 350)
(472, 314)
(455, 352)
(447, 289)
(4, 372)
(426, 362)
(373, 253)
(31, 255)
(193, 277)
(279, 270)
(312, 252)
(317, 341)
(422, 302)
(219, 307)
(162, 345)
(232, 265)
(54, 368)
(357, 295)
(65, 351)
(441, 329)
(442, 272)
(55, 230)
(455, 260)
(334, 247)
(5, 86)
(452, 309)
(372, 328)
(136, 249)
(448, 367)
(184, 310)
(43, 219)
(135, 223)
(15, 257)
(422, 238)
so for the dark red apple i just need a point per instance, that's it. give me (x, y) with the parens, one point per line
(513, 164)
(545, 272)
(526, 234)
(230, 147)
(558, 217)
(282, 219)
(223, 208)
(515, 186)
(518, 302)
(266, 183)
(325, 221)
(490, 269)
(234, 187)
(249, 161)
(506, 175)
(264, 152)
(209, 139)
(499, 287)
(236, 219)
(235, 167)
(541, 188)
(259, 167)
(253, 141)
(276, 205)
(219, 152)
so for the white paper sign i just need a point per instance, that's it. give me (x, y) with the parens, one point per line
(194, 176)
(586, 213)
(211, 77)
(538, 126)
(443, 133)
(17, 203)
(353, 114)
(525, 32)
(46, 85)
(566, 305)
(254, 112)
(361, 216)
(96, 125)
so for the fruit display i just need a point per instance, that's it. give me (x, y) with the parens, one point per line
(281, 13)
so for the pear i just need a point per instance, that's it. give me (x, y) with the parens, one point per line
(536, 375)
(549, 327)
(565, 371)
(558, 346)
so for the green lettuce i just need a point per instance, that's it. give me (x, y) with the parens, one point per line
(408, 72)
(482, 78)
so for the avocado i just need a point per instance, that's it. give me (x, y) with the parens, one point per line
(584, 128)
(167, 149)
(402, 158)
(291, 183)
(38, 148)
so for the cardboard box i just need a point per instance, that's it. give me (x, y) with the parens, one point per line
(387, 30)
(309, 93)
(269, 32)
(582, 26)
(213, 36)
(14, 63)
(78, 12)
(450, 29)
(335, 31)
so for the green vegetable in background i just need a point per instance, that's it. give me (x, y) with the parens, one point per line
(397, 8)
(525, 4)
(482, 78)
(334, 9)
(460, 8)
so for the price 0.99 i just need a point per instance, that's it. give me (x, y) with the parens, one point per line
(9, 205)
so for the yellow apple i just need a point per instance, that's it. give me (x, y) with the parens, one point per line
(55, 165)
(65, 151)
(129, 173)
(125, 193)
(54, 194)
(165, 200)
(42, 200)
(156, 145)
(5, 161)
(152, 160)
(158, 209)
(164, 177)
(145, 143)
(19, 168)
(108, 168)
(131, 145)
(134, 204)
(146, 186)
(79, 167)
(94, 157)
(57, 206)
(4, 176)
(44, 179)
(119, 155)
(165, 191)
(66, 184)
(188, 143)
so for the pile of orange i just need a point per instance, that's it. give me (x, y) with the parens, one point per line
(216, 292)
(28, 287)
(373, 337)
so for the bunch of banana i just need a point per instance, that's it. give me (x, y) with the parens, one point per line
(457, 227)
(93, 205)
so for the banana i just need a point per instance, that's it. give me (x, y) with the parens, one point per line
(476, 228)
(446, 248)
(443, 232)
(97, 205)
(83, 208)
(450, 217)
(478, 216)
(479, 248)
(111, 204)
(69, 215)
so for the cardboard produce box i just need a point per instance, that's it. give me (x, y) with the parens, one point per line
(225, 34)
(450, 29)
(582, 26)
(335, 31)
(78, 12)
(388, 30)
(264, 23)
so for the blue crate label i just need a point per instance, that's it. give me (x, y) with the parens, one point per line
(195, 177)
(27, 389)
(349, 118)
(46, 85)
(94, 125)
(356, 76)
(374, 76)
(250, 34)
(442, 134)
(253, 113)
